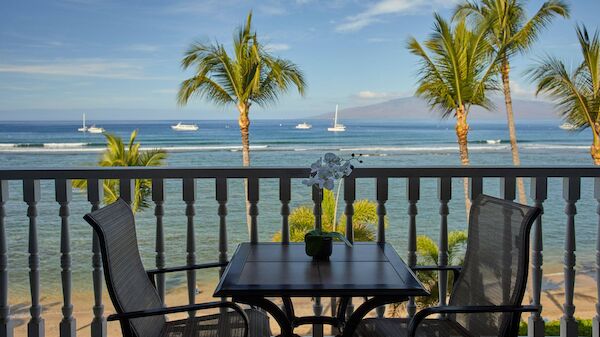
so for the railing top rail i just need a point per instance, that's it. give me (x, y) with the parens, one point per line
(294, 172)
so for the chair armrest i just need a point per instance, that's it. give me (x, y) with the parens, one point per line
(172, 310)
(454, 269)
(421, 315)
(152, 272)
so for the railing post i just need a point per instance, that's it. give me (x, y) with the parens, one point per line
(158, 196)
(539, 193)
(412, 191)
(31, 195)
(317, 197)
(596, 320)
(95, 192)
(508, 191)
(253, 196)
(6, 324)
(285, 191)
(382, 197)
(571, 193)
(444, 195)
(127, 190)
(63, 190)
(349, 197)
(189, 197)
(221, 196)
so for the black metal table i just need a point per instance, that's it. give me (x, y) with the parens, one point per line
(262, 270)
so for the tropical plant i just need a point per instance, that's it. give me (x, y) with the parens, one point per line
(510, 32)
(428, 252)
(118, 153)
(456, 71)
(250, 76)
(576, 92)
(364, 220)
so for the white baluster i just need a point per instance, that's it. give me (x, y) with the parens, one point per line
(63, 189)
(539, 193)
(6, 323)
(95, 193)
(571, 193)
(31, 195)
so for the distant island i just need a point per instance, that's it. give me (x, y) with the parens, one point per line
(414, 108)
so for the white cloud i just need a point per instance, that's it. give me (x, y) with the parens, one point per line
(142, 47)
(521, 91)
(377, 40)
(80, 68)
(277, 47)
(374, 95)
(381, 8)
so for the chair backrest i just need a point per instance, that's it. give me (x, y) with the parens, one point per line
(496, 264)
(128, 285)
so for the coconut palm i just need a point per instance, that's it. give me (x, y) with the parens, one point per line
(577, 92)
(456, 71)
(364, 220)
(118, 153)
(511, 32)
(249, 76)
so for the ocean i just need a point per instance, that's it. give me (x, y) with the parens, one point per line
(278, 143)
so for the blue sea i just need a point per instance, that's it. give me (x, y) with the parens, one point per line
(278, 143)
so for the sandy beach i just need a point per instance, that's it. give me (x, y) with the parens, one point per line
(552, 300)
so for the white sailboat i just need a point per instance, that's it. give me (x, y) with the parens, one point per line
(303, 126)
(336, 127)
(95, 129)
(184, 127)
(83, 128)
(568, 126)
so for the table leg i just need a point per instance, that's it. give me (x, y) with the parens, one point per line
(370, 304)
(280, 317)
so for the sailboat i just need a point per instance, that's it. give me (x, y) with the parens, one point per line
(336, 127)
(568, 126)
(95, 129)
(83, 128)
(303, 126)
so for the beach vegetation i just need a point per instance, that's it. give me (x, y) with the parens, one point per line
(552, 328)
(510, 32)
(121, 154)
(575, 92)
(456, 71)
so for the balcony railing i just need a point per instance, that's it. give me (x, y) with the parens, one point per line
(378, 185)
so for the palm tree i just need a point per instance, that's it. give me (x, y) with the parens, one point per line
(251, 76)
(118, 153)
(364, 220)
(458, 74)
(577, 92)
(510, 32)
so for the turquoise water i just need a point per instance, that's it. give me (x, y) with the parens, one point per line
(277, 143)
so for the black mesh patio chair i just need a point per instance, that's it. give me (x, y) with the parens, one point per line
(487, 294)
(136, 300)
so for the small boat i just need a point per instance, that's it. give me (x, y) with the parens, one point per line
(95, 129)
(336, 126)
(568, 126)
(303, 126)
(83, 128)
(493, 141)
(184, 127)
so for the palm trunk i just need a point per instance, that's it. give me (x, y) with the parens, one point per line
(512, 132)
(595, 148)
(244, 123)
(462, 133)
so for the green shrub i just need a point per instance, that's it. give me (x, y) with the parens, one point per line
(553, 328)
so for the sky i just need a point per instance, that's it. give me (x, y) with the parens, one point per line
(121, 59)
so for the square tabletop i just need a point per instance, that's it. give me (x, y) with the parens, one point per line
(284, 270)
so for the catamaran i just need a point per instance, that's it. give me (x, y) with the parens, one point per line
(83, 128)
(568, 126)
(336, 127)
(303, 126)
(95, 129)
(184, 127)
